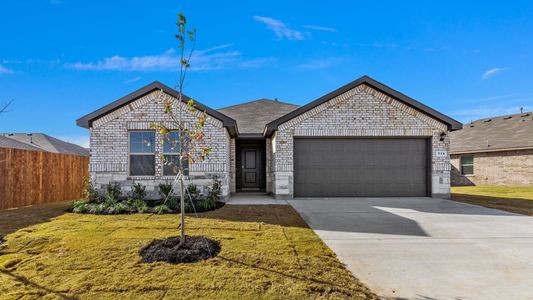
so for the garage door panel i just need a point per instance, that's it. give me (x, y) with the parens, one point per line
(360, 167)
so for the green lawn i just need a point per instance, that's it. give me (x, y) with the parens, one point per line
(267, 253)
(521, 192)
(515, 199)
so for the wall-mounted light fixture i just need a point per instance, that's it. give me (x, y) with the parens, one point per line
(442, 136)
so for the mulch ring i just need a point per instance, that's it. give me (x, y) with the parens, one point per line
(170, 250)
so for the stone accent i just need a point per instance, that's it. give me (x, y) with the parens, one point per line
(110, 145)
(496, 168)
(360, 112)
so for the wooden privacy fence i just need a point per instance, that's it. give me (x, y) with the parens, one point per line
(32, 177)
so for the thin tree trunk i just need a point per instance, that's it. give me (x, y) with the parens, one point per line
(182, 205)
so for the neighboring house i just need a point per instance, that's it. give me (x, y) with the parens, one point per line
(41, 142)
(363, 139)
(6, 142)
(494, 151)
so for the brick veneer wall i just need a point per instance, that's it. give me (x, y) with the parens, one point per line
(496, 168)
(360, 112)
(110, 146)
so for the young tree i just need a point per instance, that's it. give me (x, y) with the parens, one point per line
(4, 107)
(190, 140)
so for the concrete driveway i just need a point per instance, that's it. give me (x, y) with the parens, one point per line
(426, 248)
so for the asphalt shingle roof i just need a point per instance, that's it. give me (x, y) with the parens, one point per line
(47, 143)
(252, 116)
(490, 134)
(6, 142)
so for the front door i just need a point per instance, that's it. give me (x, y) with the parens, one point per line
(251, 164)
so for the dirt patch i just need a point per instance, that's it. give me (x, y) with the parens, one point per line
(514, 205)
(283, 215)
(170, 250)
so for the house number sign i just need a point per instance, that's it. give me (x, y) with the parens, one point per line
(440, 153)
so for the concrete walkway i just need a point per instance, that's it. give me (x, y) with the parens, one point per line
(426, 248)
(254, 199)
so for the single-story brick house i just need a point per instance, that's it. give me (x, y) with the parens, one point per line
(363, 139)
(494, 151)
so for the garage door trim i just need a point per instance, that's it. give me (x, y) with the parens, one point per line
(429, 152)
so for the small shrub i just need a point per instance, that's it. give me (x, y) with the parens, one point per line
(139, 206)
(165, 189)
(138, 191)
(113, 191)
(162, 209)
(79, 206)
(173, 203)
(116, 208)
(193, 191)
(99, 208)
(90, 193)
(215, 191)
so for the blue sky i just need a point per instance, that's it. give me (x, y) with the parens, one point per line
(61, 59)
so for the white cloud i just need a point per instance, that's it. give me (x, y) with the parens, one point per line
(279, 28)
(135, 79)
(201, 60)
(319, 64)
(4, 70)
(320, 28)
(492, 72)
(82, 140)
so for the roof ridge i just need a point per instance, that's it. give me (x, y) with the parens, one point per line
(257, 100)
(501, 116)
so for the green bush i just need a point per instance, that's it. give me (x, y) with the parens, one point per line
(173, 203)
(215, 191)
(113, 191)
(138, 191)
(165, 189)
(162, 209)
(139, 206)
(193, 192)
(79, 206)
(90, 193)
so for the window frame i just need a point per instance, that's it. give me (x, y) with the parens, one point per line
(130, 153)
(163, 154)
(461, 165)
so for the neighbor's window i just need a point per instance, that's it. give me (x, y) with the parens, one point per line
(467, 164)
(142, 153)
(171, 150)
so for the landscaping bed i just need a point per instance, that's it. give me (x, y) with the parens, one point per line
(114, 202)
(85, 256)
(518, 199)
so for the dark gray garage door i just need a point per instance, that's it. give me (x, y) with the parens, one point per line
(360, 167)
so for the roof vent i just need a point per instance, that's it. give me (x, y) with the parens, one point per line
(486, 121)
(507, 118)
(525, 115)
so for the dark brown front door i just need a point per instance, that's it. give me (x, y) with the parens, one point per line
(251, 161)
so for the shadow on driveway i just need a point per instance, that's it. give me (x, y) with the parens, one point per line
(380, 215)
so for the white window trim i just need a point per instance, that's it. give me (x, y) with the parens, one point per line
(467, 165)
(136, 153)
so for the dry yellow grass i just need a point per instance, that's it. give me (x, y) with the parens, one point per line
(89, 256)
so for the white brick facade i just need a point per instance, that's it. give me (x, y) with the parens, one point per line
(110, 145)
(359, 112)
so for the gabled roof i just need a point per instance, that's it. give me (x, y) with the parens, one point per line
(87, 120)
(452, 124)
(494, 134)
(46, 143)
(6, 142)
(252, 116)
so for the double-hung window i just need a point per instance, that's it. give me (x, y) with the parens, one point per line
(467, 165)
(142, 153)
(171, 150)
